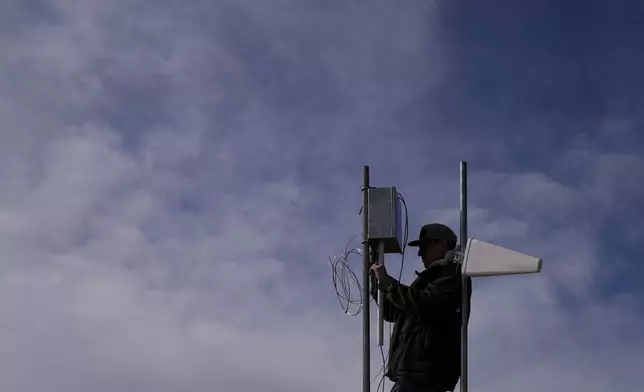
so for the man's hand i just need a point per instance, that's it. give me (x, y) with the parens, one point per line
(380, 271)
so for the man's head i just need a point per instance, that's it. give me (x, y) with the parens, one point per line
(434, 241)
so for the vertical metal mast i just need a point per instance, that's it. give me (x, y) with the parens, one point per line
(380, 331)
(465, 307)
(366, 293)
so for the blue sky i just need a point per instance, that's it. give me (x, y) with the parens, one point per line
(175, 175)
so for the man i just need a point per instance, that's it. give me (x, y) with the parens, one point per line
(425, 348)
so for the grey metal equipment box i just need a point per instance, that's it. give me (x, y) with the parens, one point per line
(386, 218)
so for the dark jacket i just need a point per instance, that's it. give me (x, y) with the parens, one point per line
(425, 344)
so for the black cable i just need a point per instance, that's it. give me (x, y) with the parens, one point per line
(406, 234)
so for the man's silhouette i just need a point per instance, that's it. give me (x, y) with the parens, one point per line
(425, 346)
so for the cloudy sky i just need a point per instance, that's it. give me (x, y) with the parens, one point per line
(174, 175)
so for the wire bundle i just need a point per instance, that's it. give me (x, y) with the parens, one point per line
(344, 278)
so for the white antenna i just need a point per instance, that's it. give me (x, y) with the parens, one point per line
(485, 259)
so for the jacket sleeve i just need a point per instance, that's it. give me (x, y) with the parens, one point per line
(390, 311)
(434, 297)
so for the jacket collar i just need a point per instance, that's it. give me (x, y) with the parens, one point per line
(447, 261)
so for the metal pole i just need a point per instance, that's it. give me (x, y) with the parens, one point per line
(465, 307)
(366, 292)
(381, 299)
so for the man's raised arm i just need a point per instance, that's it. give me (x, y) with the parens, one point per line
(423, 302)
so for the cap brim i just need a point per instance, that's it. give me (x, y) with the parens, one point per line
(414, 243)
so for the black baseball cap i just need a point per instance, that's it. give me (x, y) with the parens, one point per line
(434, 231)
